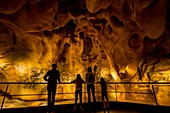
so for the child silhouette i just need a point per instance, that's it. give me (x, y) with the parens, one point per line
(78, 81)
(104, 92)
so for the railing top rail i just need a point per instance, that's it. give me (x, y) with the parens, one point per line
(85, 83)
(138, 82)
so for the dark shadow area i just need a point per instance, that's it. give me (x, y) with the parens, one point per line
(115, 107)
(6, 94)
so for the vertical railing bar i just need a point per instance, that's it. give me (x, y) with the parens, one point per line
(85, 93)
(4, 96)
(154, 95)
(116, 91)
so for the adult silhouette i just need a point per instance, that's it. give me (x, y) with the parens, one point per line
(90, 79)
(52, 76)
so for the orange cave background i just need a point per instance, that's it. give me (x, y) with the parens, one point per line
(128, 41)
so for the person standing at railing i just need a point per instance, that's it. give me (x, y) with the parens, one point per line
(78, 81)
(90, 79)
(104, 92)
(96, 73)
(52, 76)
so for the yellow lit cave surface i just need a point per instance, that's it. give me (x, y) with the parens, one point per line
(128, 41)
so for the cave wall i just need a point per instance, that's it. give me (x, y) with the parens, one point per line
(128, 40)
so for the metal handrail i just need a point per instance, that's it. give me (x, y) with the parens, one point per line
(85, 83)
(151, 83)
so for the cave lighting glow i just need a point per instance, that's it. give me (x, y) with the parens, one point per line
(114, 75)
(20, 68)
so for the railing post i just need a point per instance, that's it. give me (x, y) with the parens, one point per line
(4, 96)
(116, 91)
(154, 95)
(85, 92)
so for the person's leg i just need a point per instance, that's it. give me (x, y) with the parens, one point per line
(93, 92)
(76, 97)
(107, 99)
(53, 97)
(88, 93)
(49, 100)
(104, 105)
(80, 96)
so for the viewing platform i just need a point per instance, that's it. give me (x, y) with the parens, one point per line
(29, 102)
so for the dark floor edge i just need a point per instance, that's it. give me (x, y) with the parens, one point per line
(145, 108)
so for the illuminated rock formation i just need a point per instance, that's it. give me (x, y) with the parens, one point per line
(127, 40)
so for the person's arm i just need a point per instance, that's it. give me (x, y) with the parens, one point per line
(46, 75)
(94, 77)
(83, 81)
(86, 78)
(59, 78)
(73, 81)
(98, 82)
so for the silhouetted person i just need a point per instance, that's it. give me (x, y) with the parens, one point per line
(95, 68)
(51, 77)
(95, 71)
(104, 92)
(78, 81)
(90, 79)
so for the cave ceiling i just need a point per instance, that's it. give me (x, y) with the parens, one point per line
(121, 37)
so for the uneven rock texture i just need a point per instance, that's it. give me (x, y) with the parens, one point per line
(128, 40)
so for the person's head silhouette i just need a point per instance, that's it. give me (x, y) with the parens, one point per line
(54, 66)
(95, 67)
(78, 76)
(89, 69)
(102, 79)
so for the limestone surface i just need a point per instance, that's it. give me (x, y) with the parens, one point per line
(128, 41)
